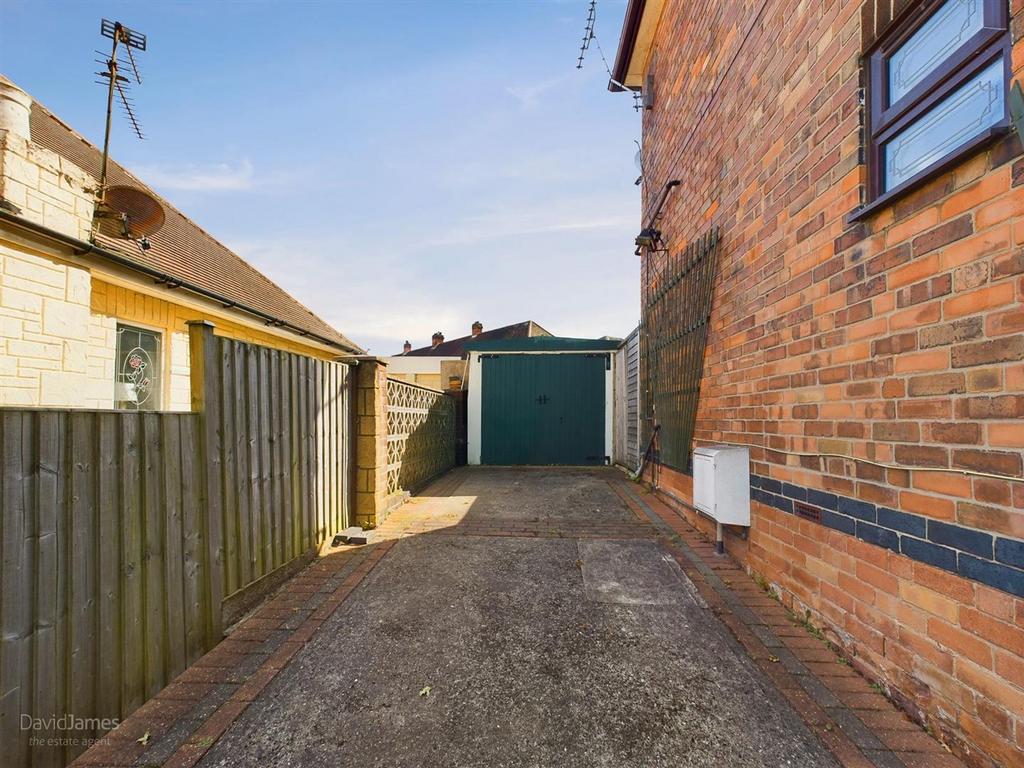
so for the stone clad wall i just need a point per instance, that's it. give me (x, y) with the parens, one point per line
(865, 365)
(58, 333)
(50, 345)
(47, 189)
(53, 350)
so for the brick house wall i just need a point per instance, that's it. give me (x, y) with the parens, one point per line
(864, 364)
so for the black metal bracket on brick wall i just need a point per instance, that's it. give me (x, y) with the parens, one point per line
(650, 237)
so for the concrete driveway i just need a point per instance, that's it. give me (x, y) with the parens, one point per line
(523, 618)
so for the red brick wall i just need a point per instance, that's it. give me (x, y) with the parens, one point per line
(896, 341)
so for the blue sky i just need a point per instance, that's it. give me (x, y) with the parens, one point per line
(399, 167)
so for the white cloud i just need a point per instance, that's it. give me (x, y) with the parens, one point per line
(219, 177)
(376, 300)
(580, 278)
(582, 214)
(528, 94)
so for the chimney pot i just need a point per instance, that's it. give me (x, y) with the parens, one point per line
(436, 339)
(478, 328)
(407, 347)
(15, 108)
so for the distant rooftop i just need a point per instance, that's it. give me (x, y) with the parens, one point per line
(456, 347)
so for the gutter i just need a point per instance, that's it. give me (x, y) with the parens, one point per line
(83, 248)
(627, 41)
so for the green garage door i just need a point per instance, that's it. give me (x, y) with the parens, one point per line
(543, 409)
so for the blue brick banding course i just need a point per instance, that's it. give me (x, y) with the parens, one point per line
(994, 560)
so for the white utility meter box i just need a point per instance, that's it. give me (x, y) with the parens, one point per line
(721, 483)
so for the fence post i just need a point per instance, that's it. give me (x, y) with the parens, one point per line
(206, 401)
(371, 465)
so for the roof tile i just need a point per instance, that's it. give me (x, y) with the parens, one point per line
(181, 248)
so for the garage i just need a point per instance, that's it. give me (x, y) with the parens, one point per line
(540, 401)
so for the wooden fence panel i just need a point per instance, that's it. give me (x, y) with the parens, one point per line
(16, 573)
(109, 529)
(82, 593)
(100, 607)
(193, 556)
(132, 558)
(123, 534)
(48, 638)
(153, 555)
(284, 456)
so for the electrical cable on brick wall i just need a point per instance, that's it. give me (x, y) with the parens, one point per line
(972, 472)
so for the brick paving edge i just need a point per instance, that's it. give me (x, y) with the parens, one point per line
(837, 725)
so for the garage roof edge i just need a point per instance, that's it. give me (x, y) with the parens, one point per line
(544, 344)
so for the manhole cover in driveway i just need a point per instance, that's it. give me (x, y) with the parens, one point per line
(634, 573)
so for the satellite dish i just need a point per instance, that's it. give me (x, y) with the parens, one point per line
(130, 213)
(638, 160)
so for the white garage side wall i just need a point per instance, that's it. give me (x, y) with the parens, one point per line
(473, 409)
(609, 407)
(618, 409)
(416, 364)
(475, 404)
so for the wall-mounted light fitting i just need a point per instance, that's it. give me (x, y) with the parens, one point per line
(649, 238)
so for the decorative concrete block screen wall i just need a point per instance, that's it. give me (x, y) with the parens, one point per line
(421, 435)
(874, 367)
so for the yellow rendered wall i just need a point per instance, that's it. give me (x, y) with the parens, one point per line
(58, 333)
(120, 304)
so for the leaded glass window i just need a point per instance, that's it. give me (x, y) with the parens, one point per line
(137, 369)
(973, 107)
(944, 32)
(937, 88)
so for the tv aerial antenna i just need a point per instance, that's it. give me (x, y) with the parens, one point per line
(588, 35)
(123, 211)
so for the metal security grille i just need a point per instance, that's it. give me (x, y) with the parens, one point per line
(676, 313)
